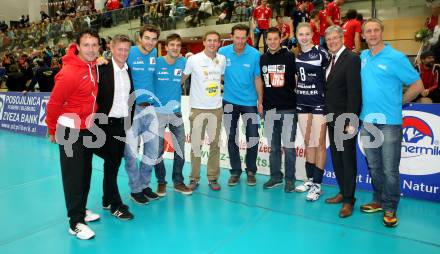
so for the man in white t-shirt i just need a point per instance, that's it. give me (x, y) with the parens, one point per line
(206, 69)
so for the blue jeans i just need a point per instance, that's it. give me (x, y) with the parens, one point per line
(174, 123)
(145, 125)
(383, 163)
(281, 127)
(231, 115)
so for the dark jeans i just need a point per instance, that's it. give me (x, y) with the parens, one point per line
(112, 152)
(383, 163)
(344, 164)
(280, 126)
(174, 123)
(257, 39)
(76, 172)
(231, 113)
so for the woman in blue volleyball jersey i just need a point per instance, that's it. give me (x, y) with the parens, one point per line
(311, 62)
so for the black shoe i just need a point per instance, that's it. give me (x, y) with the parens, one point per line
(150, 194)
(289, 186)
(122, 213)
(106, 206)
(272, 183)
(139, 198)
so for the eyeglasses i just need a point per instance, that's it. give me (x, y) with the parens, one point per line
(332, 39)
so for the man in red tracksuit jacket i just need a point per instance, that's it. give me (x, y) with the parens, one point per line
(70, 110)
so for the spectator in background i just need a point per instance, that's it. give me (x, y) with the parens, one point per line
(22, 21)
(56, 65)
(352, 32)
(13, 35)
(288, 6)
(44, 76)
(125, 13)
(3, 26)
(334, 12)
(112, 6)
(308, 5)
(25, 67)
(163, 15)
(61, 12)
(323, 22)
(284, 29)
(70, 9)
(43, 15)
(83, 7)
(262, 16)
(173, 15)
(221, 18)
(432, 20)
(316, 26)
(68, 28)
(275, 5)
(61, 49)
(299, 15)
(229, 9)
(241, 10)
(429, 73)
(16, 81)
(7, 61)
(2, 71)
(205, 11)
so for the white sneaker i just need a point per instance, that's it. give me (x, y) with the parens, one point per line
(304, 187)
(90, 216)
(82, 231)
(314, 192)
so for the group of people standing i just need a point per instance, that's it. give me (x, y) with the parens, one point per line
(111, 107)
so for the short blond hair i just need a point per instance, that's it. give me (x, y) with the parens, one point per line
(373, 20)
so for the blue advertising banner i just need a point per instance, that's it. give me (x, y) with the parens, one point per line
(24, 113)
(420, 161)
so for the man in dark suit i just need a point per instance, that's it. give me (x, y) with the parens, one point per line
(343, 100)
(115, 87)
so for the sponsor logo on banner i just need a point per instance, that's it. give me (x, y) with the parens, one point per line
(24, 113)
(43, 109)
(420, 145)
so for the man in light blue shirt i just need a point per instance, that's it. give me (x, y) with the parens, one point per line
(167, 78)
(383, 72)
(242, 89)
(142, 64)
